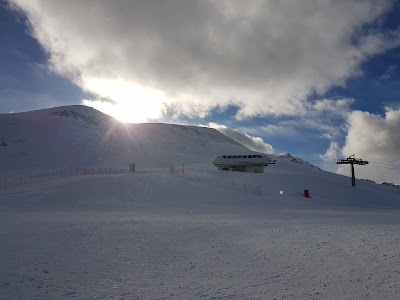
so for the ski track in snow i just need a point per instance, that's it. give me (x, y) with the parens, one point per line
(156, 236)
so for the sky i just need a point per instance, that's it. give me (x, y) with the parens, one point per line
(317, 78)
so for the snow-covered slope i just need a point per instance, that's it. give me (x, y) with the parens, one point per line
(158, 236)
(79, 136)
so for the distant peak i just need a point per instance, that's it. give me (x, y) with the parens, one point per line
(288, 156)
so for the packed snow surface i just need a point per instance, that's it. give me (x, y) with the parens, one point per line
(153, 235)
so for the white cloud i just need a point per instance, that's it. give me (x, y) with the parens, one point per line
(266, 57)
(340, 107)
(277, 130)
(326, 128)
(375, 136)
(251, 142)
(389, 72)
(307, 126)
(323, 116)
(332, 153)
(376, 139)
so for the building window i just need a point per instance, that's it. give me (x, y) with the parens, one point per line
(234, 156)
(229, 156)
(244, 156)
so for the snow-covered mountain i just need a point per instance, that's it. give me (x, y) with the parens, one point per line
(79, 136)
(289, 157)
(152, 235)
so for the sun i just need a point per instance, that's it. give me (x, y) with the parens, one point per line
(125, 101)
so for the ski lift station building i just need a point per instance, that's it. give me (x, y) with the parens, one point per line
(251, 163)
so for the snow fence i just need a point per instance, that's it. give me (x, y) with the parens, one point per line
(57, 174)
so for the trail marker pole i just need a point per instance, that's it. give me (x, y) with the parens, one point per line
(351, 160)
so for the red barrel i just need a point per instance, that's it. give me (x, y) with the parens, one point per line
(306, 194)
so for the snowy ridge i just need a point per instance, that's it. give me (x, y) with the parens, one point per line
(293, 159)
(85, 119)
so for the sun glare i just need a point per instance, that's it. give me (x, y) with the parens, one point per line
(128, 101)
